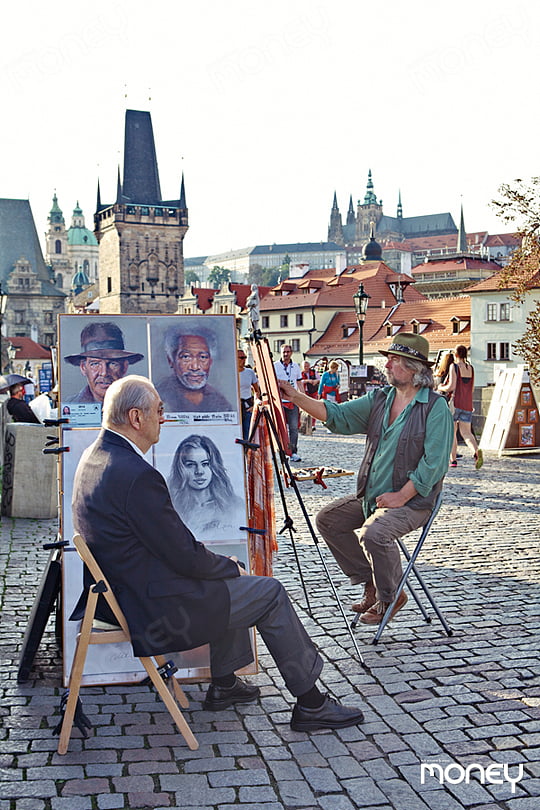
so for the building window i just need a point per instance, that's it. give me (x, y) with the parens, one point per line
(295, 345)
(266, 321)
(278, 344)
(47, 317)
(455, 327)
(491, 312)
(284, 321)
(504, 351)
(491, 351)
(415, 328)
(19, 316)
(48, 339)
(109, 284)
(504, 312)
(58, 246)
(300, 320)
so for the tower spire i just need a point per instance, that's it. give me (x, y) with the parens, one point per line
(182, 201)
(118, 188)
(98, 200)
(351, 219)
(370, 198)
(462, 234)
(399, 206)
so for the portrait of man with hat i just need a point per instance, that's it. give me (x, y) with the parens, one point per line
(409, 434)
(102, 360)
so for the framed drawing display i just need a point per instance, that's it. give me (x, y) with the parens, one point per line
(521, 415)
(532, 415)
(93, 352)
(194, 368)
(526, 396)
(192, 359)
(526, 435)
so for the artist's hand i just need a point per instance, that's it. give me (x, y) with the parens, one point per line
(243, 572)
(286, 388)
(390, 500)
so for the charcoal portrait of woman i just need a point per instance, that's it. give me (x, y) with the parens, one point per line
(202, 493)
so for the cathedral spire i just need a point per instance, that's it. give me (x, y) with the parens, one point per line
(334, 204)
(351, 219)
(462, 234)
(399, 207)
(370, 198)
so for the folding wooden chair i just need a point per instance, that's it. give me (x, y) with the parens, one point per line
(411, 567)
(169, 692)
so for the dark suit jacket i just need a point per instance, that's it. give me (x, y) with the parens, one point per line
(170, 587)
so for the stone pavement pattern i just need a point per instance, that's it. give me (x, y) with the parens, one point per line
(471, 698)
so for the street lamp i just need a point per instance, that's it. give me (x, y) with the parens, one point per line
(361, 299)
(3, 305)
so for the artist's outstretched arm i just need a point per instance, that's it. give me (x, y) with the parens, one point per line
(315, 407)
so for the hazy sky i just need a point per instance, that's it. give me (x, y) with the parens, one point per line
(270, 107)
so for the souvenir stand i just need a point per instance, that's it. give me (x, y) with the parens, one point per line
(210, 440)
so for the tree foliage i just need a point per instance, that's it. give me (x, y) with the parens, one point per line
(519, 206)
(218, 276)
(191, 278)
(268, 276)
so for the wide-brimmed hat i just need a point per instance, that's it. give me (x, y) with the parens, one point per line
(406, 344)
(104, 341)
(12, 379)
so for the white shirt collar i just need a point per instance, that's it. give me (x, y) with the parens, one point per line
(137, 449)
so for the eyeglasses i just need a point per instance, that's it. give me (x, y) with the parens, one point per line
(242, 357)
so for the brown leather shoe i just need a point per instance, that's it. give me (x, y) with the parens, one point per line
(375, 614)
(370, 597)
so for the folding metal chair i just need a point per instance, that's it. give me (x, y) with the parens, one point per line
(411, 559)
(169, 692)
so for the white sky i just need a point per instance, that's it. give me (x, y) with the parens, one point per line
(270, 107)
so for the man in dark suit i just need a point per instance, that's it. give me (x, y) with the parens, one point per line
(176, 594)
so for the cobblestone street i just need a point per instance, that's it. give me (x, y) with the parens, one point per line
(472, 698)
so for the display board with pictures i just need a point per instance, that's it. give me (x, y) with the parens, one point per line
(197, 452)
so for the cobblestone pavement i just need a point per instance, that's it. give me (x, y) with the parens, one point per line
(471, 699)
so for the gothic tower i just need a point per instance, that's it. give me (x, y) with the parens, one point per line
(367, 212)
(141, 262)
(335, 229)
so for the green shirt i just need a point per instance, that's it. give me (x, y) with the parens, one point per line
(353, 417)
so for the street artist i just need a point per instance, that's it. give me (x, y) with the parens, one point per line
(409, 436)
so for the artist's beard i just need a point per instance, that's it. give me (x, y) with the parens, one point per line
(188, 381)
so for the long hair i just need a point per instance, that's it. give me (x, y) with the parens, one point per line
(444, 366)
(423, 375)
(220, 488)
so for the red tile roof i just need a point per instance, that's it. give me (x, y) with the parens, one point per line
(461, 263)
(493, 283)
(28, 349)
(437, 314)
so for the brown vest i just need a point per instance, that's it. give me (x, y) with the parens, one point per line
(410, 448)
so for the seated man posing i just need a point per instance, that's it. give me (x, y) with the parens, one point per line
(176, 594)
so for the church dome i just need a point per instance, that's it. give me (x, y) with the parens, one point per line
(77, 233)
(372, 251)
(80, 281)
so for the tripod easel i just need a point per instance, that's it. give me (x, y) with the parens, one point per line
(270, 411)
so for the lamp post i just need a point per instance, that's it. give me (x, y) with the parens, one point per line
(361, 299)
(3, 305)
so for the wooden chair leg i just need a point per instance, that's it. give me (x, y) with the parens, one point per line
(170, 703)
(77, 670)
(179, 693)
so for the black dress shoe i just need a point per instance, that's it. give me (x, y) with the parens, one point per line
(330, 715)
(221, 697)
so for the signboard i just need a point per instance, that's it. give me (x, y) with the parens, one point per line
(512, 424)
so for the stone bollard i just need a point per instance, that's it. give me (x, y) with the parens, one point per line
(30, 487)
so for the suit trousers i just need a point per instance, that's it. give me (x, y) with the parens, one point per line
(372, 555)
(262, 602)
(291, 417)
